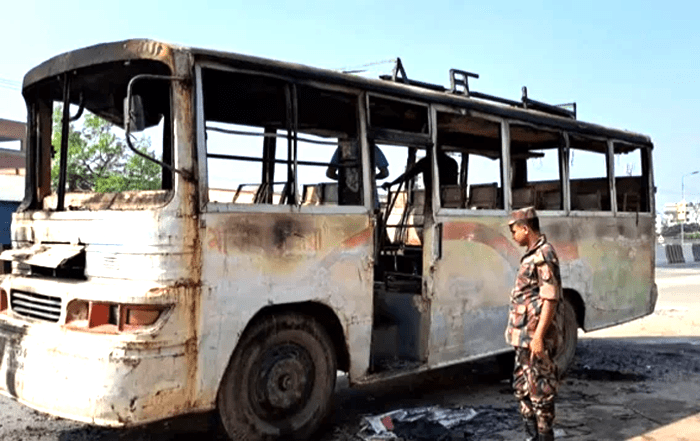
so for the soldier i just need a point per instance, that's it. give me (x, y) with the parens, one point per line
(534, 325)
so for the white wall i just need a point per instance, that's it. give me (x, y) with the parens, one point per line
(11, 188)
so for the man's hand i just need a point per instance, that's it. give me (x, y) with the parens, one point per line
(386, 186)
(546, 317)
(536, 349)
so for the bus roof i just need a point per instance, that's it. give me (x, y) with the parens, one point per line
(136, 49)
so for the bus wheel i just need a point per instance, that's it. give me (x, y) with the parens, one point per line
(280, 380)
(565, 355)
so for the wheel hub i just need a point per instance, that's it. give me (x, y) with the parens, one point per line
(285, 380)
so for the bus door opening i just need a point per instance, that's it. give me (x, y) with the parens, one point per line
(400, 315)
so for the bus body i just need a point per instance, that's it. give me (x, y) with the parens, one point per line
(249, 277)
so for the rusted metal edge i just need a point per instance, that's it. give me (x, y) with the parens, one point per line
(149, 49)
(137, 49)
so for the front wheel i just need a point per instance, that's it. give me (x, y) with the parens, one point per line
(279, 383)
(565, 354)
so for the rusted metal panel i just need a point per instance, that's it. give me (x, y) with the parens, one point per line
(99, 54)
(112, 380)
(253, 260)
(617, 254)
(151, 252)
(472, 283)
(608, 261)
(50, 256)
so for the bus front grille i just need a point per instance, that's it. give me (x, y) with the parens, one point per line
(35, 306)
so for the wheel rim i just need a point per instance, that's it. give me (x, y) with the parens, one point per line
(284, 382)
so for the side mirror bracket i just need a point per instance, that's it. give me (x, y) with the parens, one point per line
(134, 119)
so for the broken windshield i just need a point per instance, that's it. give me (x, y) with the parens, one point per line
(83, 158)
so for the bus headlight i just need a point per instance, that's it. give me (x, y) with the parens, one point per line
(102, 317)
(140, 315)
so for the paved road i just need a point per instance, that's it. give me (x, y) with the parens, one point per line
(626, 382)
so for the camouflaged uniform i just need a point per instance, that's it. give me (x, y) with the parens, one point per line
(535, 383)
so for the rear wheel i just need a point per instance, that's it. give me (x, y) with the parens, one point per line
(279, 383)
(565, 355)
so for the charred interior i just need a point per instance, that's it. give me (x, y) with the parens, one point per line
(271, 141)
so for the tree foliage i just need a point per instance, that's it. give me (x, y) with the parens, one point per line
(99, 160)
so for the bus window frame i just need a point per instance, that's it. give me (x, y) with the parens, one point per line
(504, 166)
(609, 171)
(563, 156)
(646, 158)
(207, 206)
(398, 137)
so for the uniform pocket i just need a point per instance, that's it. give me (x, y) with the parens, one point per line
(532, 316)
(518, 314)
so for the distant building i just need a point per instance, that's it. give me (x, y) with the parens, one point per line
(674, 213)
(12, 163)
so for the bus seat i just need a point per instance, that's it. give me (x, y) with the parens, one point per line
(452, 196)
(629, 201)
(483, 196)
(549, 200)
(329, 193)
(325, 193)
(587, 202)
(524, 197)
(245, 196)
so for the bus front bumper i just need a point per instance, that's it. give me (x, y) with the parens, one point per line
(94, 378)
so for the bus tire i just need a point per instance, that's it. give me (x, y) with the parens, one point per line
(565, 355)
(280, 381)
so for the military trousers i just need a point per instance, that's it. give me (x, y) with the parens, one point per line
(535, 385)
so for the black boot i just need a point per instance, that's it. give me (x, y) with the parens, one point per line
(547, 436)
(531, 429)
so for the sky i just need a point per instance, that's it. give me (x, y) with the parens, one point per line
(631, 65)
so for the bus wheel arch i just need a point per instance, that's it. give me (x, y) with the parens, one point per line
(281, 377)
(321, 312)
(579, 306)
(573, 314)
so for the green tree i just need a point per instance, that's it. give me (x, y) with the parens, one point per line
(99, 160)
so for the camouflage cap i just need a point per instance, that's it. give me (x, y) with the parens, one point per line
(522, 215)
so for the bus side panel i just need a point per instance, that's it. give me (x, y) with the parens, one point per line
(251, 261)
(610, 262)
(472, 282)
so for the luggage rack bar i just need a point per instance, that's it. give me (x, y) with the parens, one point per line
(459, 84)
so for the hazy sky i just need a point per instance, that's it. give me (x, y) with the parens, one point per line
(628, 65)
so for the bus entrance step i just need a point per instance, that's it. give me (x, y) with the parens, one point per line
(400, 282)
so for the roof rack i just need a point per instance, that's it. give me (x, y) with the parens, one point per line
(459, 84)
